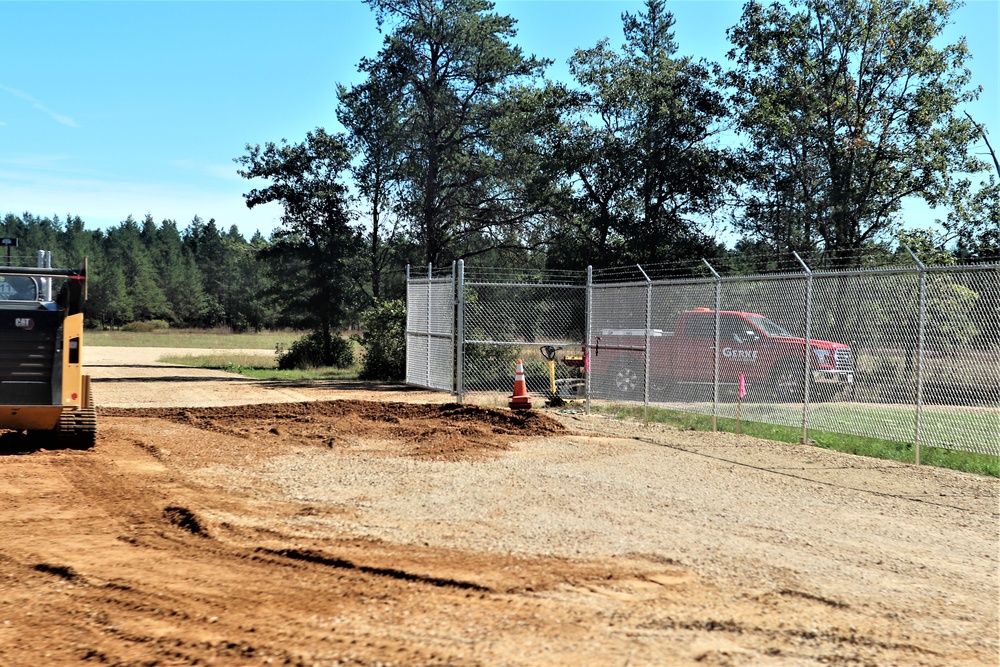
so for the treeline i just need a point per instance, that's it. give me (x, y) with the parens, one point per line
(195, 276)
(203, 276)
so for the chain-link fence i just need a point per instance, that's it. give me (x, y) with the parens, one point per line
(908, 354)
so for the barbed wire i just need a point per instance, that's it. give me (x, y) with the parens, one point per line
(741, 264)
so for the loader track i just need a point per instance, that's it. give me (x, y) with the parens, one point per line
(77, 428)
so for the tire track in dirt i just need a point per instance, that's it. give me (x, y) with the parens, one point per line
(133, 554)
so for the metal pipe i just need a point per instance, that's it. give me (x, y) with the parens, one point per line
(718, 356)
(42, 271)
(588, 339)
(522, 343)
(649, 324)
(460, 333)
(922, 313)
(475, 283)
(430, 282)
(807, 356)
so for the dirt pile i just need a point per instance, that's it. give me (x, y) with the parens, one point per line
(446, 432)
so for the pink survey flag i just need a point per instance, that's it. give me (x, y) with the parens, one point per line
(743, 386)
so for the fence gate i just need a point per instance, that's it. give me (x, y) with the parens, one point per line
(430, 330)
(509, 314)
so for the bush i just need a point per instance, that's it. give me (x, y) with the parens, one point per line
(310, 352)
(491, 367)
(146, 327)
(384, 340)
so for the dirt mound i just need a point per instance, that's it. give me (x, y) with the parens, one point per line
(448, 431)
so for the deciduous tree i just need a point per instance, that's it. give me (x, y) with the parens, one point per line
(310, 252)
(372, 114)
(848, 107)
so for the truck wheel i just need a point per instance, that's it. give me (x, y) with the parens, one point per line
(821, 393)
(626, 379)
(786, 383)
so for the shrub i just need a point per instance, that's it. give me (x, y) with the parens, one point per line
(310, 351)
(384, 340)
(491, 367)
(146, 327)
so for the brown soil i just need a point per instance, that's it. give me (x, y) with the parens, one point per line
(352, 525)
(445, 432)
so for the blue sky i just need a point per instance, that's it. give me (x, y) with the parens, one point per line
(111, 109)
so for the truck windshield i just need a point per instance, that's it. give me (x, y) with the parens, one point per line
(769, 327)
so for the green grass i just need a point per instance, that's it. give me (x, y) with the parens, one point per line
(958, 427)
(203, 338)
(228, 361)
(980, 464)
(259, 367)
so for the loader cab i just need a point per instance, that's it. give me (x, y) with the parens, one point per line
(31, 335)
(19, 289)
(43, 387)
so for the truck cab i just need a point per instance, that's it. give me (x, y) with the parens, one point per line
(770, 359)
(762, 350)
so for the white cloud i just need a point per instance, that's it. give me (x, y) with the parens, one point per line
(58, 117)
(27, 161)
(220, 171)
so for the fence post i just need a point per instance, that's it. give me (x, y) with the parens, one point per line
(649, 323)
(454, 325)
(715, 377)
(587, 339)
(807, 356)
(460, 333)
(918, 435)
(407, 326)
(430, 277)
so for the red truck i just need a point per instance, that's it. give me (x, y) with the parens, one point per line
(769, 357)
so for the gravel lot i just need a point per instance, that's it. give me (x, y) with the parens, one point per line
(606, 543)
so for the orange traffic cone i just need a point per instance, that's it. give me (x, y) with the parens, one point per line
(520, 399)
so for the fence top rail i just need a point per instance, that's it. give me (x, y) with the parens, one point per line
(425, 280)
(702, 281)
(416, 272)
(631, 275)
(480, 283)
(524, 276)
(899, 270)
(654, 283)
(788, 267)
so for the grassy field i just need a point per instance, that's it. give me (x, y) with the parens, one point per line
(941, 425)
(222, 339)
(259, 367)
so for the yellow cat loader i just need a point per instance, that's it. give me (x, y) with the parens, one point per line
(43, 390)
